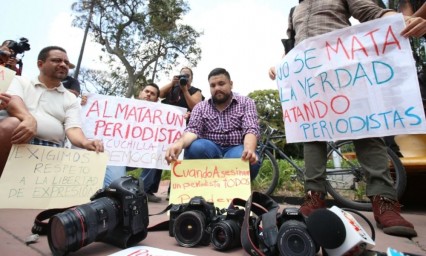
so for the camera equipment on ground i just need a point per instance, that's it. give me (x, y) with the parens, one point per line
(117, 215)
(293, 237)
(190, 222)
(226, 230)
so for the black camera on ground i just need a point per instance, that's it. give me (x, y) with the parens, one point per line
(190, 222)
(20, 47)
(183, 79)
(226, 230)
(117, 215)
(293, 236)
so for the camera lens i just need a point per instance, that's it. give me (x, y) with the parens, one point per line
(80, 226)
(294, 239)
(226, 235)
(189, 228)
(183, 80)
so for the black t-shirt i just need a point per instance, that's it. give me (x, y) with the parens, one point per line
(175, 96)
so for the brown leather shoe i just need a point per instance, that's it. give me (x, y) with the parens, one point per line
(387, 215)
(312, 201)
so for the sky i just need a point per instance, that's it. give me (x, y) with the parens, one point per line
(242, 36)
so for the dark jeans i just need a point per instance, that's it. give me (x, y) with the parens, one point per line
(151, 180)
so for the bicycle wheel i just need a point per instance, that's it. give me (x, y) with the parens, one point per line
(346, 181)
(267, 179)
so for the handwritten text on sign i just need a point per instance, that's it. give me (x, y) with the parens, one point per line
(351, 83)
(40, 177)
(135, 132)
(6, 76)
(217, 180)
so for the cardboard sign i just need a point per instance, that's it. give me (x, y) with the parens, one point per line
(217, 180)
(40, 177)
(352, 83)
(135, 133)
(6, 76)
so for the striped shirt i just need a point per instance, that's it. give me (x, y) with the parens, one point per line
(317, 17)
(227, 127)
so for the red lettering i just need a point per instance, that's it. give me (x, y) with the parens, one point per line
(360, 47)
(390, 33)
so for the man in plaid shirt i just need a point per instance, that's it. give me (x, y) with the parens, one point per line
(225, 126)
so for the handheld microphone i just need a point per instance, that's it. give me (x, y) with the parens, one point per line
(338, 232)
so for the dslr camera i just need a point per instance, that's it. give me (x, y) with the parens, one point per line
(190, 222)
(293, 237)
(183, 79)
(20, 47)
(226, 230)
(117, 215)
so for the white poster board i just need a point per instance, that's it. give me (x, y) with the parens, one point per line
(135, 133)
(351, 83)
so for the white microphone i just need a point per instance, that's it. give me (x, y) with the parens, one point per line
(338, 232)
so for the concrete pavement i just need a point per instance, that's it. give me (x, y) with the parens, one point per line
(15, 226)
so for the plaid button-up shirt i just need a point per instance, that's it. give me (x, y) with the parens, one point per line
(227, 127)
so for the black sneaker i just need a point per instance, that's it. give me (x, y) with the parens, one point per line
(152, 198)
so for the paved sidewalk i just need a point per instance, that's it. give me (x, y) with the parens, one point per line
(15, 226)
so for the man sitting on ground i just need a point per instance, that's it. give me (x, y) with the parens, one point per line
(225, 126)
(41, 111)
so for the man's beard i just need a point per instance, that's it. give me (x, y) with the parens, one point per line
(221, 100)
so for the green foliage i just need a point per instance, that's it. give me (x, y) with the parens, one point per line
(288, 184)
(268, 107)
(139, 38)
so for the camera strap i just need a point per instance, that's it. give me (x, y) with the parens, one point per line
(260, 241)
(40, 225)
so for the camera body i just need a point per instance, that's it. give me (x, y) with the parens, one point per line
(133, 203)
(20, 47)
(117, 215)
(190, 222)
(293, 236)
(226, 229)
(183, 79)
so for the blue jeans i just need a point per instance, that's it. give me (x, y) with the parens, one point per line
(112, 173)
(151, 180)
(206, 149)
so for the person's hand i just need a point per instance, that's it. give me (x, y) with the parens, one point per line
(415, 26)
(173, 152)
(249, 155)
(83, 100)
(187, 115)
(25, 131)
(272, 73)
(94, 145)
(4, 99)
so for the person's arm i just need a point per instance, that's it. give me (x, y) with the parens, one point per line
(250, 127)
(78, 139)
(249, 152)
(168, 87)
(4, 100)
(173, 152)
(415, 24)
(193, 99)
(27, 129)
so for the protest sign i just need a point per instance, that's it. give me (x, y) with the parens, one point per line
(352, 83)
(40, 177)
(135, 133)
(6, 76)
(217, 180)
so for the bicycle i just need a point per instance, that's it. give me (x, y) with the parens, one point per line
(346, 179)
